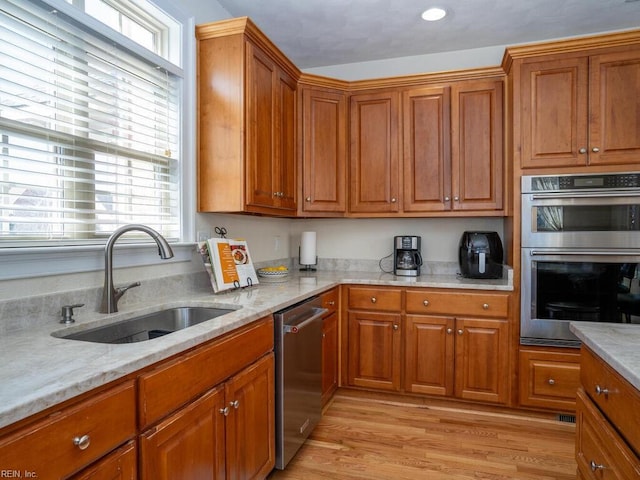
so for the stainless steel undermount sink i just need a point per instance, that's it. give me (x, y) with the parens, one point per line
(150, 326)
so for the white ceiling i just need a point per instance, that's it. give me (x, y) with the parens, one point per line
(315, 33)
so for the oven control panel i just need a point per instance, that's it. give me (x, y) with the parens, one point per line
(580, 182)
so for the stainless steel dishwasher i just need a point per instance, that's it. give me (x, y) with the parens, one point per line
(298, 351)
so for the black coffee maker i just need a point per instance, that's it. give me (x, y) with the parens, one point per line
(406, 256)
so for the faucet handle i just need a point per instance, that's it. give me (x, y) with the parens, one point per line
(67, 312)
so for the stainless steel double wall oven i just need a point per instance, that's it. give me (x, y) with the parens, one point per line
(580, 249)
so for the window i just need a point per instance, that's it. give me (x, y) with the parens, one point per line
(89, 120)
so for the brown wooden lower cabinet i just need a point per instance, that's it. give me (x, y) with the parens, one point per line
(549, 378)
(462, 357)
(224, 434)
(441, 342)
(121, 464)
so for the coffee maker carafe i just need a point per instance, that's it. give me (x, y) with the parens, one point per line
(406, 256)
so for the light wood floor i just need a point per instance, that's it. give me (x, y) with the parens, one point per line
(396, 438)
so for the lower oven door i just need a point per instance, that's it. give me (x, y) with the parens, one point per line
(561, 285)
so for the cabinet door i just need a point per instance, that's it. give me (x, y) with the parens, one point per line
(329, 356)
(260, 127)
(285, 143)
(429, 355)
(477, 145)
(554, 113)
(119, 465)
(250, 396)
(374, 350)
(324, 151)
(374, 153)
(188, 445)
(427, 156)
(482, 360)
(614, 93)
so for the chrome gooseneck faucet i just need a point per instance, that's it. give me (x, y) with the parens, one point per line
(111, 295)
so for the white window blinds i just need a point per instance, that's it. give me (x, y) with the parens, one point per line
(89, 132)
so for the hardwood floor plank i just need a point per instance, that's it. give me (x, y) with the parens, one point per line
(392, 438)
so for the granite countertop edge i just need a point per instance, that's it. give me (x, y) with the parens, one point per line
(40, 370)
(615, 343)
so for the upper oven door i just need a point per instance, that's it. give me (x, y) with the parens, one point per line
(581, 219)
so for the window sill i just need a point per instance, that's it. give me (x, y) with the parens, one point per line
(45, 261)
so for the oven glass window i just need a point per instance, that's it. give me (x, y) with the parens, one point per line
(584, 291)
(589, 218)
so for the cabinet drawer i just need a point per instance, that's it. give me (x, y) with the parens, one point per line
(48, 449)
(174, 383)
(457, 303)
(600, 453)
(382, 299)
(549, 379)
(118, 465)
(330, 300)
(618, 400)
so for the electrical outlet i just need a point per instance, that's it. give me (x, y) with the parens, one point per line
(276, 243)
(204, 235)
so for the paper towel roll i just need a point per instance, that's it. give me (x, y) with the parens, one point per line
(308, 248)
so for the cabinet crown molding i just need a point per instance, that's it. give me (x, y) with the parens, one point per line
(581, 44)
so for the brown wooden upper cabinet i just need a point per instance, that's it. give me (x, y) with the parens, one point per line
(579, 110)
(375, 152)
(324, 152)
(246, 121)
(428, 149)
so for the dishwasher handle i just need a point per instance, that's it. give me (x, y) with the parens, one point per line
(319, 312)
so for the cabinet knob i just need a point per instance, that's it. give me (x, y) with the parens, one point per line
(395, 326)
(331, 302)
(224, 411)
(460, 332)
(456, 199)
(595, 149)
(601, 391)
(551, 381)
(393, 200)
(235, 404)
(425, 303)
(82, 442)
(308, 199)
(582, 150)
(485, 306)
(374, 299)
(449, 331)
(446, 199)
(596, 466)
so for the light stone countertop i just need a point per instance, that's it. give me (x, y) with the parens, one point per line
(38, 370)
(617, 344)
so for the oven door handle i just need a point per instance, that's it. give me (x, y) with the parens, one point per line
(319, 312)
(565, 196)
(616, 253)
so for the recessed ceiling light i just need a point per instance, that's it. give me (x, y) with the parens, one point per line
(433, 14)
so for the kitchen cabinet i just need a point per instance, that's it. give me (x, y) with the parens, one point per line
(330, 341)
(426, 149)
(247, 97)
(579, 110)
(549, 378)
(72, 438)
(477, 145)
(607, 420)
(454, 343)
(374, 337)
(374, 153)
(219, 415)
(118, 465)
(228, 432)
(324, 152)
(457, 344)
